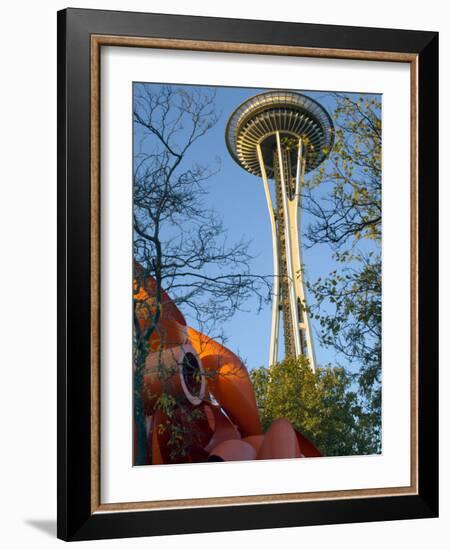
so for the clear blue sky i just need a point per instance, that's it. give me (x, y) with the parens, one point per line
(239, 199)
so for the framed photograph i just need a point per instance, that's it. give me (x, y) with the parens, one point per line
(247, 274)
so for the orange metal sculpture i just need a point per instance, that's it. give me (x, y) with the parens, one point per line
(216, 416)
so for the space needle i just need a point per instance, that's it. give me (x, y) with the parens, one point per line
(281, 136)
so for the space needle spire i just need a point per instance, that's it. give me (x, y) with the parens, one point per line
(280, 136)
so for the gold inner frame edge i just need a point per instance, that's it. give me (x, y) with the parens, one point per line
(97, 41)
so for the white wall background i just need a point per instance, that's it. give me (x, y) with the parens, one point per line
(28, 275)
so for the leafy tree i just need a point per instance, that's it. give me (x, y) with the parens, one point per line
(350, 209)
(344, 200)
(320, 404)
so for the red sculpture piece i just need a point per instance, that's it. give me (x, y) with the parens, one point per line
(216, 417)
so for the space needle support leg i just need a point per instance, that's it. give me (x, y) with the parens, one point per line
(275, 331)
(305, 325)
(289, 251)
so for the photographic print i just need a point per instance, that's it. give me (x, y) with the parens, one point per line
(242, 283)
(257, 274)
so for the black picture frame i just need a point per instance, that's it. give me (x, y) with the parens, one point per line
(76, 521)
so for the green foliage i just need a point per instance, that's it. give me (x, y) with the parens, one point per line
(344, 199)
(320, 404)
(180, 425)
(166, 403)
(350, 210)
(351, 320)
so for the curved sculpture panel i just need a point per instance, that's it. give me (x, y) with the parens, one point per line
(228, 381)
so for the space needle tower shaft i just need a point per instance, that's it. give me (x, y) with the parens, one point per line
(280, 136)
